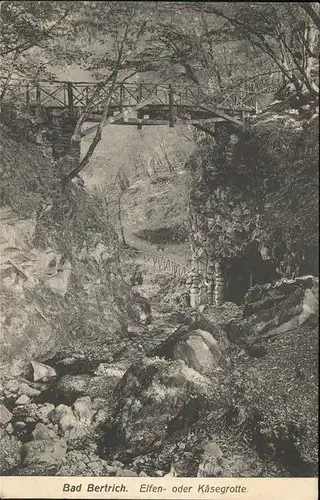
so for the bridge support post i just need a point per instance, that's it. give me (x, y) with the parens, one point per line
(27, 94)
(139, 100)
(65, 151)
(70, 95)
(38, 96)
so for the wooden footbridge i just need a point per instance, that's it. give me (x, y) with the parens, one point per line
(160, 263)
(138, 104)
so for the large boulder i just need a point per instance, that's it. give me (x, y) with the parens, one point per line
(69, 388)
(275, 309)
(64, 417)
(40, 372)
(156, 398)
(200, 343)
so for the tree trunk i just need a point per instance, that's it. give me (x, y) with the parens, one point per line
(120, 222)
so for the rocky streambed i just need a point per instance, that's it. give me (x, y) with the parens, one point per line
(230, 392)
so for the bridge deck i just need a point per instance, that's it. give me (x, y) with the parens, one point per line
(137, 103)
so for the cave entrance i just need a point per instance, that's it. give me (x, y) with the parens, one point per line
(246, 271)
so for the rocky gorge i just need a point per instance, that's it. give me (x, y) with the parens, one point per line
(104, 375)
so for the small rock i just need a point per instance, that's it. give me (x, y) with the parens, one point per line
(26, 390)
(44, 411)
(49, 451)
(18, 426)
(9, 428)
(125, 473)
(23, 400)
(100, 370)
(5, 415)
(41, 432)
(159, 473)
(111, 470)
(133, 331)
(94, 465)
(142, 474)
(39, 371)
(83, 409)
(213, 449)
(118, 464)
(226, 462)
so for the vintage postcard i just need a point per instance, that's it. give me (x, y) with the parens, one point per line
(159, 250)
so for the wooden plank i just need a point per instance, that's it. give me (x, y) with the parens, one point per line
(206, 130)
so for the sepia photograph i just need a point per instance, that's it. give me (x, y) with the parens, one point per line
(159, 243)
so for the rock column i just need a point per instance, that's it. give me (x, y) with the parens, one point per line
(218, 284)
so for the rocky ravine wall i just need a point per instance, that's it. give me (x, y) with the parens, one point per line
(252, 204)
(61, 281)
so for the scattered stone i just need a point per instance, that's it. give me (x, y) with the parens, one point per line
(23, 400)
(10, 448)
(125, 473)
(5, 415)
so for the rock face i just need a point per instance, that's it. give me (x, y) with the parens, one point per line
(244, 205)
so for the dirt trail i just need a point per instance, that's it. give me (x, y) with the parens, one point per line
(177, 253)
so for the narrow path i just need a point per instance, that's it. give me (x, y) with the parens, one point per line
(176, 253)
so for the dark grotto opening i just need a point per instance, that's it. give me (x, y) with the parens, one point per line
(244, 272)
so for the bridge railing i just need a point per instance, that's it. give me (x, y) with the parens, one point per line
(126, 95)
(160, 263)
